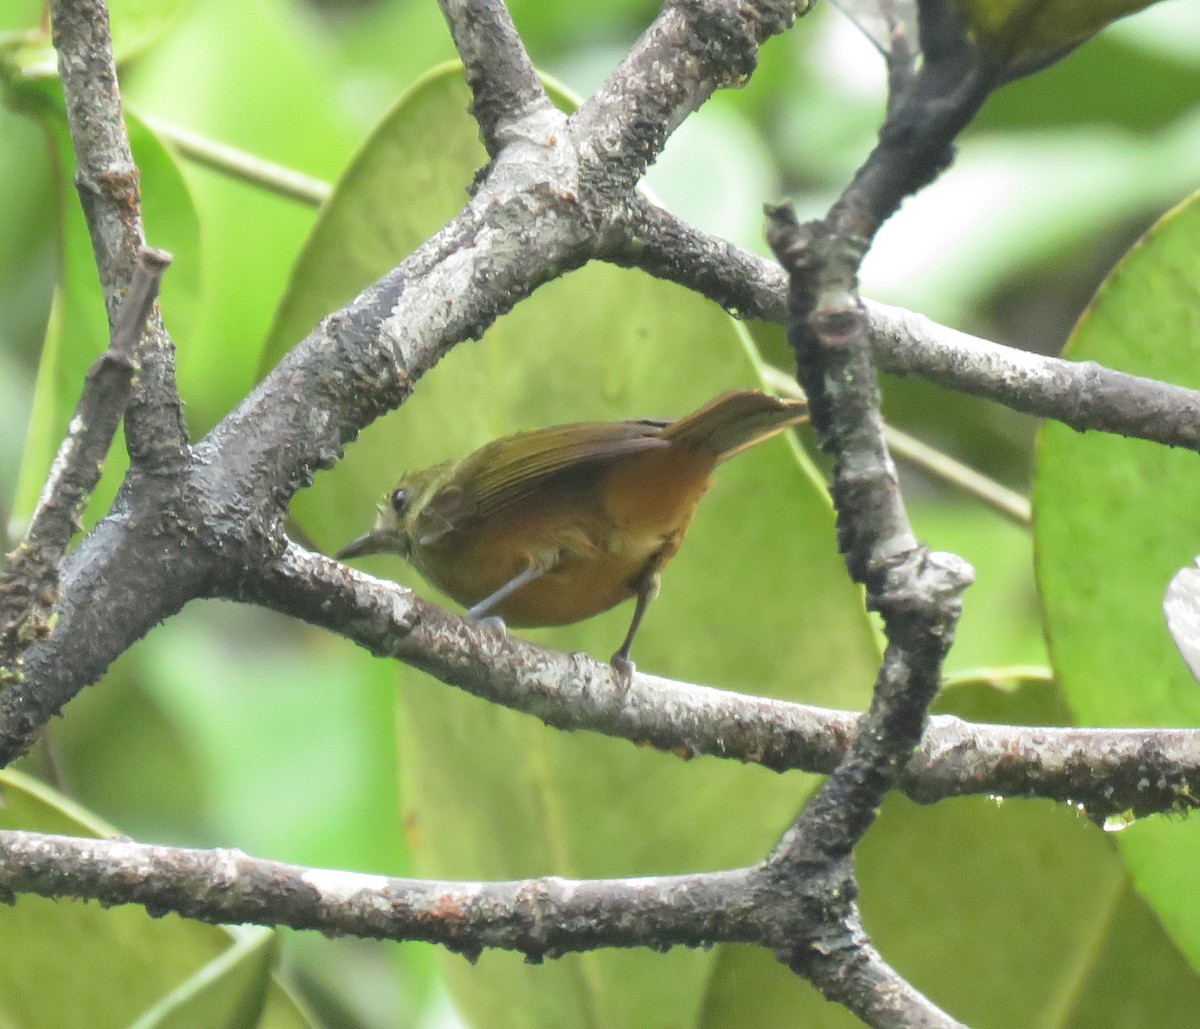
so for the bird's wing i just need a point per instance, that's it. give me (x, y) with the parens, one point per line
(511, 470)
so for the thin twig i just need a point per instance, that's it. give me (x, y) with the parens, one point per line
(29, 586)
(941, 466)
(106, 391)
(242, 166)
(930, 460)
(107, 182)
(505, 88)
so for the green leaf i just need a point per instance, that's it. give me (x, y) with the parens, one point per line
(1113, 177)
(727, 199)
(124, 966)
(1114, 520)
(120, 753)
(1031, 900)
(27, 52)
(418, 185)
(757, 599)
(76, 335)
(228, 991)
(138, 23)
(1157, 85)
(337, 769)
(1000, 622)
(21, 15)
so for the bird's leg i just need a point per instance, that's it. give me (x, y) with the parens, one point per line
(531, 571)
(645, 589)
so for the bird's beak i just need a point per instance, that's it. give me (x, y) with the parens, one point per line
(377, 541)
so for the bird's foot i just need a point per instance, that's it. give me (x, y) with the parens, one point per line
(623, 670)
(493, 624)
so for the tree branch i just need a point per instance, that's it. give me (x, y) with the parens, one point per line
(561, 189)
(504, 85)
(223, 516)
(876, 992)
(1107, 771)
(1084, 395)
(29, 585)
(917, 592)
(107, 181)
(541, 918)
(1081, 394)
(693, 48)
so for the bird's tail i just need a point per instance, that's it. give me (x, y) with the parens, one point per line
(735, 420)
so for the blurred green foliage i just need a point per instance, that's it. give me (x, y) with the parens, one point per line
(75, 963)
(1116, 519)
(235, 728)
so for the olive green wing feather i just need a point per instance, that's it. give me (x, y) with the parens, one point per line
(509, 471)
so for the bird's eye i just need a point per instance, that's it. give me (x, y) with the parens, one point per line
(399, 500)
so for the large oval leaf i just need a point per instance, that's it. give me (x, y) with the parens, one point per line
(757, 598)
(1115, 519)
(1032, 900)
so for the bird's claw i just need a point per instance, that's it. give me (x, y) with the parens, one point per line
(493, 624)
(623, 670)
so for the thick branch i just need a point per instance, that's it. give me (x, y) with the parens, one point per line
(918, 593)
(692, 49)
(107, 181)
(202, 533)
(135, 568)
(540, 918)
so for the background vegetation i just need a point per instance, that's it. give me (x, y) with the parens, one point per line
(230, 727)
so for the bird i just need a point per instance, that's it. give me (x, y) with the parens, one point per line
(555, 525)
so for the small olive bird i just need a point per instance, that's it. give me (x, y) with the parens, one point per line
(555, 525)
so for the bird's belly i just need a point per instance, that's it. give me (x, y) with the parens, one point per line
(579, 588)
(589, 572)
